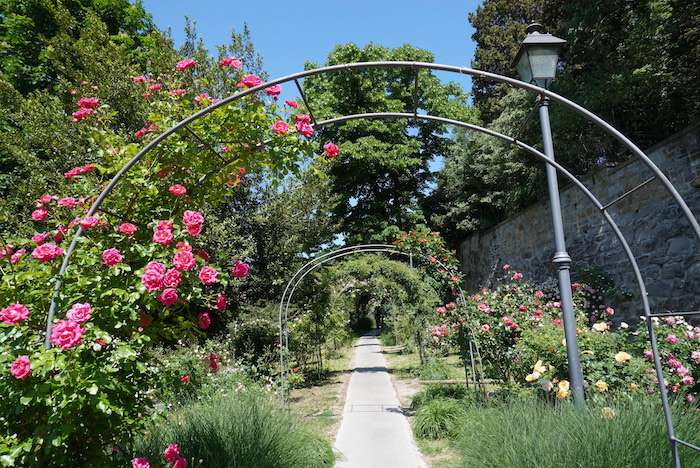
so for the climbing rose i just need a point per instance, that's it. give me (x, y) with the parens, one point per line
(303, 118)
(178, 190)
(331, 150)
(203, 320)
(485, 328)
(192, 217)
(89, 222)
(291, 103)
(240, 269)
(14, 313)
(184, 260)
(249, 81)
(112, 257)
(140, 463)
(172, 278)
(88, 102)
(185, 64)
(127, 228)
(177, 92)
(164, 225)
(517, 276)
(163, 236)
(40, 214)
(230, 61)
(20, 368)
(46, 252)
(207, 275)
(16, 256)
(214, 362)
(221, 302)
(202, 254)
(280, 127)
(40, 238)
(67, 201)
(81, 113)
(273, 90)
(152, 279)
(185, 378)
(172, 453)
(144, 319)
(157, 267)
(66, 334)
(305, 129)
(140, 133)
(79, 313)
(168, 296)
(194, 229)
(180, 463)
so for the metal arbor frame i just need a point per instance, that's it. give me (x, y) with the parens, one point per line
(321, 260)
(417, 67)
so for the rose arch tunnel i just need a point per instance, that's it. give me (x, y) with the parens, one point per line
(544, 94)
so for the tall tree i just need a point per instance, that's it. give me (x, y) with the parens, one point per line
(382, 172)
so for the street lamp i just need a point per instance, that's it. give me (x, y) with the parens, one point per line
(536, 63)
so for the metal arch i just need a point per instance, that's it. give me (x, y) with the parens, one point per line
(460, 70)
(319, 261)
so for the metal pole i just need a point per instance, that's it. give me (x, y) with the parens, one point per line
(562, 261)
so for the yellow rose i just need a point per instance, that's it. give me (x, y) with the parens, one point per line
(561, 394)
(532, 377)
(622, 356)
(564, 385)
(601, 326)
(539, 368)
(602, 386)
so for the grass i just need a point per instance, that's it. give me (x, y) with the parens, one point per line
(244, 429)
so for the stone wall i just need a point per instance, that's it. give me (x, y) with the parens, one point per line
(659, 235)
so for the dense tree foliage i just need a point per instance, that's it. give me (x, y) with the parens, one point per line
(382, 173)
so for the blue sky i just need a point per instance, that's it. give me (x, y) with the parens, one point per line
(288, 33)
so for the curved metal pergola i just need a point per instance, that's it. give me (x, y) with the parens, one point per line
(417, 66)
(321, 260)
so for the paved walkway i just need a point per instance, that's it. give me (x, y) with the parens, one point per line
(374, 432)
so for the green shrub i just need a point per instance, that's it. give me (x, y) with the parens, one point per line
(243, 429)
(532, 433)
(435, 369)
(438, 419)
(433, 392)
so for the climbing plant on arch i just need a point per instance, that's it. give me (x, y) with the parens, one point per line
(97, 372)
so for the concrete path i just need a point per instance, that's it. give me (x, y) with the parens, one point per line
(374, 432)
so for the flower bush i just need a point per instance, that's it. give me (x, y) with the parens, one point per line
(137, 277)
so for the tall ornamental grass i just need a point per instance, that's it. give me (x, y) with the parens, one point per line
(239, 430)
(533, 434)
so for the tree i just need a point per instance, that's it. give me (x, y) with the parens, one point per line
(382, 173)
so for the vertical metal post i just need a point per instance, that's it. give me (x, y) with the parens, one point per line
(562, 261)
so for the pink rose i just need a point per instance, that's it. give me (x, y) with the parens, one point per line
(40, 214)
(231, 61)
(274, 90)
(172, 453)
(202, 97)
(441, 310)
(672, 339)
(88, 102)
(140, 133)
(20, 368)
(305, 129)
(291, 103)
(178, 190)
(183, 246)
(66, 334)
(163, 236)
(81, 113)
(112, 257)
(214, 362)
(485, 328)
(192, 217)
(221, 302)
(139, 79)
(185, 378)
(184, 260)
(89, 222)
(180, 463)
(68, 201)
(506, 266)
(172, 278)
(517, 276)
(280, 127)
(40, 238)
(203, 320)
(157, 267)
(177, 92)
(249, 81)
(152, 280)
(303, 118)
(331, 150)
(185, 64)
(46, 252)
(155, 87)
(240, 269)
(60, 232)
(164, 225)
(168, 296)
(140, 463)
(17, 255)
(207, 275)
(127, 228)
(79, 313)
(194, 229)
(14, 313)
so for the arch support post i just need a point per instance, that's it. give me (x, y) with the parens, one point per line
(562, 260)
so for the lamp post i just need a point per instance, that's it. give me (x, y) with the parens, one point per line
(536, 63)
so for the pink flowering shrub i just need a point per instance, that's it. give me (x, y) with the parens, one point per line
(134, 280)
